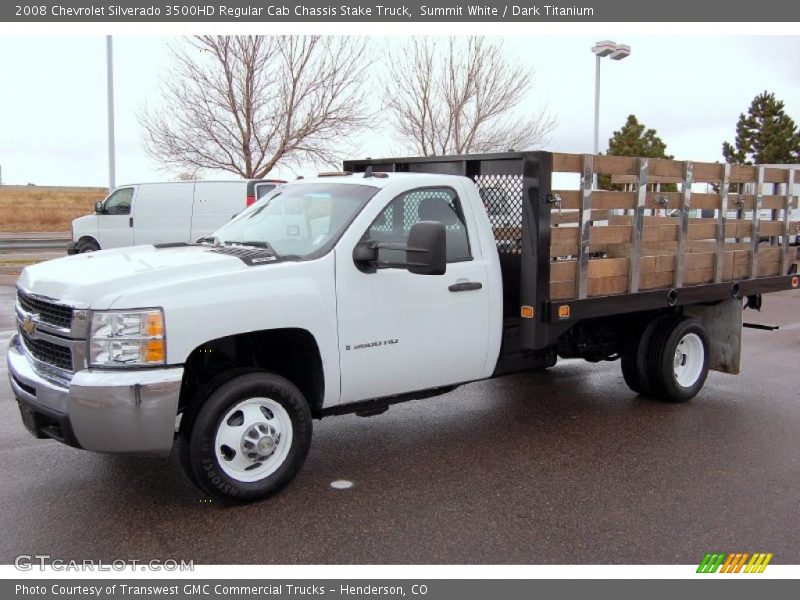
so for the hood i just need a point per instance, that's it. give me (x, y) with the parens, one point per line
(96, 279)
(84, 224)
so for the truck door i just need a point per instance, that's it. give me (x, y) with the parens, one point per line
(400, 332)
(115, 223)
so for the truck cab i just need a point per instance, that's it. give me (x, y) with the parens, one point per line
(313, 280)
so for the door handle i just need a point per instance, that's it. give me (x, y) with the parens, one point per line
(130, 221)
(466, 286)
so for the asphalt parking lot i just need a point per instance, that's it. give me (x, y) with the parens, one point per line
(563, 466)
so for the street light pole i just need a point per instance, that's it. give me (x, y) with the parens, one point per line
(110, 94)
(597, 105)
(601, 50)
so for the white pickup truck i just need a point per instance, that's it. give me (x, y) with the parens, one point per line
(347, 293)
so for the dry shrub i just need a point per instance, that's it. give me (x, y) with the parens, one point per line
(34, 208)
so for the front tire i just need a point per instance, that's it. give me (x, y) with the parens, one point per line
(249, 439)
(87, 246)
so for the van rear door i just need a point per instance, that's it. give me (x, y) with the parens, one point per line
(216, 203)
(163, 213)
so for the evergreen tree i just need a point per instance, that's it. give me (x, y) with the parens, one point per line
(767, 135)
(635, 139)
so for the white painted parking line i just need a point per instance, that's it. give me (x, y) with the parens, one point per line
(342, 484)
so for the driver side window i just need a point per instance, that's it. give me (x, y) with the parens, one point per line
(394, 223)
(119, 203)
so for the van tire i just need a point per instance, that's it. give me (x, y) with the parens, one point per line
(87, 245)
(224, 455)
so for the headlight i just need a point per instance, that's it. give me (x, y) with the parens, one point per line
(127, 338)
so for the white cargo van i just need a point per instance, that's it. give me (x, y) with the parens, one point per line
(158, 213)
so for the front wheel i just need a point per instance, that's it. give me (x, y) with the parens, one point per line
(87, 246)
(249, 439)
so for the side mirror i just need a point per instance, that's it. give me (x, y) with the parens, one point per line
(365, 253)
(98, 207)
(426, 250)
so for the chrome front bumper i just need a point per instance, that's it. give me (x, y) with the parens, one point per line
(130, 412)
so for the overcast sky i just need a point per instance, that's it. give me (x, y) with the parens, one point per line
(690, 88)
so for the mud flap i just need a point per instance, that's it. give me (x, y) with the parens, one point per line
(723, 323)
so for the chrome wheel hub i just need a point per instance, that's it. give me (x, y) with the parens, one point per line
(253, 439)
(260, 441)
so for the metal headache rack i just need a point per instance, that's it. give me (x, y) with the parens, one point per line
(572, 254)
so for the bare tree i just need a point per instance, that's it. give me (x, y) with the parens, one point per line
(245, 103)
(460, 96)
(189, 175)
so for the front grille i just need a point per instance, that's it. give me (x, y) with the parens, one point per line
(57, 315)
(48, 352)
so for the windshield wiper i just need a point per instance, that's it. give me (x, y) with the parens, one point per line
(255, 243)
(211, 238)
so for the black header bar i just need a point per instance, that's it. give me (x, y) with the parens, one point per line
(409, 11)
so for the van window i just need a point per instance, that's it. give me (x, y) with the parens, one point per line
(119, 203)
(262, 189)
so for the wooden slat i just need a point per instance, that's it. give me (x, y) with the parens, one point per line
(697, 246)
(604, 199)
(572, 216)
(601, 199)
(564, 240)
(663, 168)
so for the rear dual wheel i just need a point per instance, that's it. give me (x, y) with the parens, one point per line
(667, 359)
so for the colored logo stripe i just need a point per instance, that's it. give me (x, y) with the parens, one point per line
(734, 563)
(758, 563)
(711, 563)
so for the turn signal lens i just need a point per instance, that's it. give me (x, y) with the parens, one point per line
(563, 311)
(154, 324)
(154, 351)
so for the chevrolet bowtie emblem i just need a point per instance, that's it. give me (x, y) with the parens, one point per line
(28, 325)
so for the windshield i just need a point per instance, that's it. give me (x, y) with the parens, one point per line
(298, 219)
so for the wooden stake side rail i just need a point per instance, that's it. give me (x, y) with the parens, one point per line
(662, 167)
(606, 200)
(614, 242)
